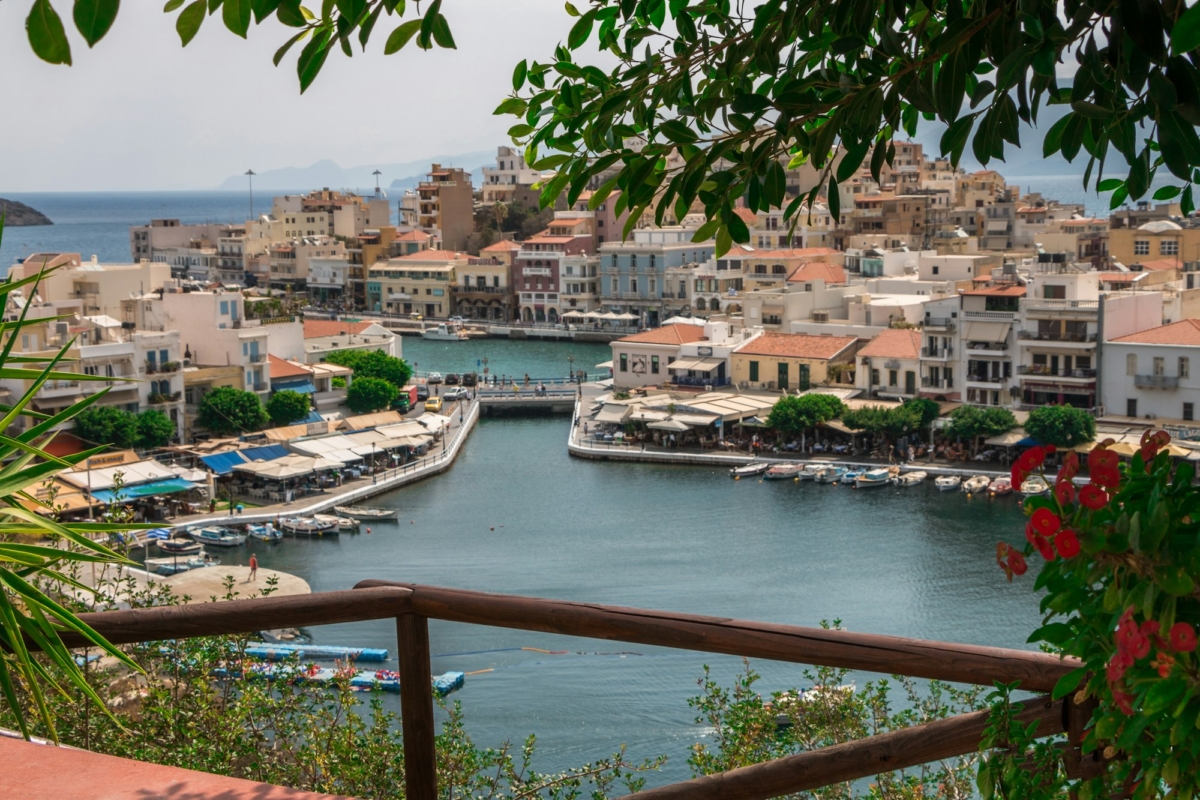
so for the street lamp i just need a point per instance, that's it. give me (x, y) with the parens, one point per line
(374, 477)
(570, 368)
(250, 177)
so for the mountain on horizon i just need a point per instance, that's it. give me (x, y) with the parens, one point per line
(328, 173)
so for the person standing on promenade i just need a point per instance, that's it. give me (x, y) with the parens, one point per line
(253, 568)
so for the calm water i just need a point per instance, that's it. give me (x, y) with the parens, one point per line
(908, 562)
(541, 360)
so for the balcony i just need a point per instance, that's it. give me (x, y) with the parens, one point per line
(985, 380)
(59, 388)
(1043, 371)
(256, 358)
(997, 316)
(164, 399)
(1057, 336)
(936, 383)
(1156, 381)
(942, 323)
(478, 290)
(937, 352)
(164, 368)
(1042, 307)
(261, 387)
(986, 348)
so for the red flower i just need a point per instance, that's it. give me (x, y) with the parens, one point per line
(1102, 457)
(1046, 522)
(1065, 492)
(1123, 701)
(1140, 648)
(1030, 533)
(1183, 637)
(1108, 477)
(1032, 458)
(1093, 497)
(1163, 663)
(1071, 462)
(1115, 669)
(1051, 449)
(1016, 562)
(1018, 475)
(1043, 546)
(1067, 543)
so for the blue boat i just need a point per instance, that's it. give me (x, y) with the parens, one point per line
(851, 475)
(831, 475)
(384, 680)
(305, 652)
(218, 537)
(264, 533)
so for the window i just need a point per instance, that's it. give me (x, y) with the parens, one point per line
(935, 269)
(624, 362)
(1052, 292)
(224, 307)
(874, 377)
(633, 284)
(614, 260)
(1131, 407)
(803, 383)
(1185, 368)
(653, 286)
(633, 261)
(654, 364)
(1141, 247)
(1159, 365)
(1189, 411)
(949, 378)
(652, 261)
(1168, 247)
(893, 377)
(1131, 364)
(614, 286)
(753, 370)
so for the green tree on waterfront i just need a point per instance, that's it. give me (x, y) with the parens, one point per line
(114, 426)
(973, 422)
(1061, 426)
(155, 429)
(373, 364)
(229, 411)
(287, 406)
(796, 415)
(891, 423)
(370, 394)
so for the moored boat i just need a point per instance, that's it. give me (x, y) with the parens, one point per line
(309, 526)
(264, 533)
(445, 333)
(811, 469)
(947, 483)
(1000, 487)
(362, 512)
(1034, 486)
(218, 537)
(851, 475)
(781, 472)
(910, 478)
(978, 483)
(179, 547)
(874, 477)
(831, 474)
(749, 470)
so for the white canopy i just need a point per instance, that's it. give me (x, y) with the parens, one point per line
(648, 415)
(292, 466)
(592, 315)
(434, 422)
(626, 315)
(672, 425)
(573, 313)
(612, 412)
(131, 474)
(605, 365)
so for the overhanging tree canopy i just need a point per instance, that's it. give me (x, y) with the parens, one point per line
(709, 101)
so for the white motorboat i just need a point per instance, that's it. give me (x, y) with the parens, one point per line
(445, 333)
(874, 477)
(910, 478)
(947, 483)
(977, 484)
(364, 513)
(218, 537)
(1034, 486)
(179, 547)
(781, 472)
(832, 475)
(264, 533)
(309, 526)
(749, 470)
(813, 469)
(1000, 487)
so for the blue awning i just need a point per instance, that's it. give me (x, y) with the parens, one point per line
(313, 416)
(304, 386)
(223, 463)
(268, 452)
(153, 489)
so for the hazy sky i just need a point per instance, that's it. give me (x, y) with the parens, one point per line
(141, 112)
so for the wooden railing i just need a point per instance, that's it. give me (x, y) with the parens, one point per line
(413, 605)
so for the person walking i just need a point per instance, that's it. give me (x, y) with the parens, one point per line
(253, 568)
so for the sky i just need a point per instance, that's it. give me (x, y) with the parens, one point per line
(140, 112)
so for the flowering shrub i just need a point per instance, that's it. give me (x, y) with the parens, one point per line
(1119, 558)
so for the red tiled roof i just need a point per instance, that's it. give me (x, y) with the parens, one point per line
(803, 252)
(286, 369)
(1185, 332)
(796, 345)
(748, 216)
(501, 247)
(1158, 264)
(432, 255)
(413, 236)
(818, 270)
(995, 291)
(667, 334)
(316, 328)
(569, 222)
(894, 343)
(545, 238)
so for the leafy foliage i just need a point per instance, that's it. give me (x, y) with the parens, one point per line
(914, 415)
(155, 429)
(1061, 426)
(229, 411)
(109, 425)
(286, 407)
(373, 364)
(794, 415)
(370, 394)
(971, 422)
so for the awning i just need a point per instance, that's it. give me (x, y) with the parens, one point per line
(986, 332)
(612, 412)
(695, 420)
(648, 415)
(698, 364)
(671, 425)
(153, 489)
(683, 364)
(223, 463)
(605, 364)
(302, 386)
(1010, 439)
(837, 425)
(268, 452)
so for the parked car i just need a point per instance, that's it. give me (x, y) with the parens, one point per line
(434, 377)
(422, 393)
(469, 379)
(456, 321)
(452, 379)
(433, 404)
(457, 393)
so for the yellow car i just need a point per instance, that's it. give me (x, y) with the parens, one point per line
(433, 404)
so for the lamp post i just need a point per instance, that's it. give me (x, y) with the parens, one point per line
(570, 368)
(250, 177)
(374, 478)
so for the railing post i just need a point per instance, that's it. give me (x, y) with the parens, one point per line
(416, 707)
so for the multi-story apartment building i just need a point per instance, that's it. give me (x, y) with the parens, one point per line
(1158, 240)
(290, 262)
(1148, 374)
(501, 181)
(447, 206)
(889, 365)
(539, 269)
(633, 272)
(369, 247)
(329, 279)
(482, 289)
(419, 283)
(145, 240)
(1138, 215)
(330, 213)
(99, 288)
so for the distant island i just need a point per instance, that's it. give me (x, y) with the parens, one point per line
(19, 215)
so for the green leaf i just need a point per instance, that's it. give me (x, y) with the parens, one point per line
(172, 5)
(441, 33)
(1053, 141)
(1054, 633)
(775, 184)
(835, 201)
(426, 34)
(1168, 193)
(581, 30)
(513, 105)
(1068, 683)
(93, 18)
(1161, 695)
(519, 73)
(236, 15)
(312, 58)
(1185, 36)
(46, 34)
(401, 36)
(189, 21)
(1109, 184)
(1174, 580)
(572, 10)
(282, 51)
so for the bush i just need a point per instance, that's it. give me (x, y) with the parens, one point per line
(107, 425)
(286, 407)
(971, 422)
(793, 415)
(370, 394)
(228, 411)
(373, 364)
(1061, 426)
(155, 429)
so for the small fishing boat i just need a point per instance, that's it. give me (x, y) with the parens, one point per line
(749, 470)
(347, 524)
(781, 472)
(874, 477)
(831, 474)
(383, 680)
(851, 475)
(445, 333)
(362, 512)
(1000, 487)
(979, 483)
(264, 533)
(910, 478)
(947, 483)
(218, 537)
(812, 469)
(174, 566)
(179, 547)
(309, 526)
(1034, 486)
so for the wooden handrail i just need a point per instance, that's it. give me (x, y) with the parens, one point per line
(960, 663)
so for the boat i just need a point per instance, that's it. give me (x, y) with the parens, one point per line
(749, 470)
(272, 651)
(218, 537)
(362, 512)
(174, 565)
(910, 478)
(264, 533)
(947, 483)
(1034, 486)
(831, 474)
(309, 526)
(362, 679)
(339, 523)
(347, 524)
(874, 477)
(1000, 487)
(781, 472)
(851, 475)
(979, 483)
(445, 333)
(179, 547)
(811, 469)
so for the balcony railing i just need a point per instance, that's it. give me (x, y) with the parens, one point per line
(261, 387)
(986, 346)
(936, 383)
(1156, 381)
(1057, 336)
(939, 322)
(937, 352)
(984, 378)
(162, 399)
(480, 290)
(685, 380)
(1050, 372)
(256, 358)
(1044, 304)
(413, 605)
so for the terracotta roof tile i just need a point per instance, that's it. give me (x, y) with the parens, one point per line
(287, 369)
(894, 343)
(818, 270)
(995, 291)
(413, 236)
(501, 247)
(432, 255)
(803, 252)
(748, 216)
(316, 328)
(1158, 264)
(797, 345)
(1185, 332)
(667, 334)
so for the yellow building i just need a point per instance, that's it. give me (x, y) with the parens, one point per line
(794, 361)
(415, 284)
(1161, 240)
